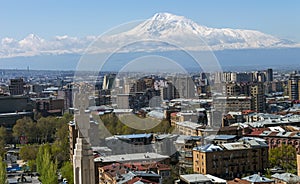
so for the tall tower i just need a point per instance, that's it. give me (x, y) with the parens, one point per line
(294, 87)
(83, 160)
(257, 93)
(269, 75)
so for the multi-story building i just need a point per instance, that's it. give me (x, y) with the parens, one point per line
(16, 86)
(294, 87)
(231, 160)
(189, 128)
(185, 87)
(257, 93)
(184, 116)
(269, 75)
(233, 103)
(168, 92)
(133, 143)
(13, 108)
(276, 139)
(233, 89)
(123, 101)
(49, 106)
(184, 145)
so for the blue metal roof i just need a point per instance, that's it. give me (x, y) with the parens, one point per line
(134, 136)
(225, 137)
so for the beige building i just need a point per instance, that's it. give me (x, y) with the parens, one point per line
(294, 87)
(233, 103)
(258, 102)
(189, 128)
(231, 160)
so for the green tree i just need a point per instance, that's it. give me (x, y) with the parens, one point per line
(32, 165)
(2, 148)
(67, 172)
(3, 134)
(61, 146)
(3, 178)
(29, 152)
(115, 126)
(45, 166)
(25, 127)
(46, 127)
(3, 140)
(284, 157)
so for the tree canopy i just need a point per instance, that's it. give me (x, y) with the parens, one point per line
(3, 178)
(285, 157)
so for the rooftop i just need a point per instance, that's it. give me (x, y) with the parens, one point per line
(189, 124)
(134, 136)
(287, 177)
(221, 137)
(131, 157)
(194, 178)
(241, 144)
(255, 178)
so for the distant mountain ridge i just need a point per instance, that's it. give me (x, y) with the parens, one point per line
(173, 27)
(162, 26)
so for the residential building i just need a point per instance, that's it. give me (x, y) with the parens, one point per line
(294, 87)
(16, 86)
(231, 160)
(257, 93)
(185, 145)
(133, 143)
(275, 138)
(189, 128)
(233, 103)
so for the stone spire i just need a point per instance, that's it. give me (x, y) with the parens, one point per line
(83, 160)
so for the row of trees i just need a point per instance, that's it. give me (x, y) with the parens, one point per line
(115, 126)
(50, 156)
(42, 131)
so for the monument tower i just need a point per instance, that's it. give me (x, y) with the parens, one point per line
(83, 160)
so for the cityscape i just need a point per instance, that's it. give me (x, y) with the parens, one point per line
(165, 100)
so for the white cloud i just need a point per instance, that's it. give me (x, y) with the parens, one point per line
(162, 26)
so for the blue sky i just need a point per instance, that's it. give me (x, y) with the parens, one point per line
(48, 18)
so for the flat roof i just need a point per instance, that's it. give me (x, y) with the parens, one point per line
(131, 157)
(189, 124)
(194, 178)
(134, 136)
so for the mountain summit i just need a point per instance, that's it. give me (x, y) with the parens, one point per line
(162, 26)
(174, 27)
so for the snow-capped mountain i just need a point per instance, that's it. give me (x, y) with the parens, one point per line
(169, 27)
(169, 32)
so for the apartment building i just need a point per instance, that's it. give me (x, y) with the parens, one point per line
(231, 160)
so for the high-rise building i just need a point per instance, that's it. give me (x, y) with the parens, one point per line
(233, 89)
(257, 94)
(185, 87)
(168, 92)
(294, 87)
(108, 81)
(269, 75)
(16, 86)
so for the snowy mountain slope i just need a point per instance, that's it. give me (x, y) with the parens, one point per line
(166, 26)
(170, 31)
